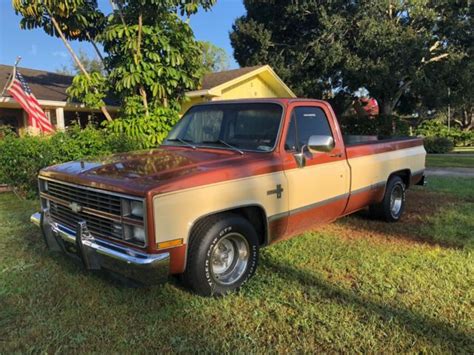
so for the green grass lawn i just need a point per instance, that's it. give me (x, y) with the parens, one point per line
(355, 286)
(449, 161)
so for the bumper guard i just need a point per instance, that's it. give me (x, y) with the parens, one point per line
(98, 253)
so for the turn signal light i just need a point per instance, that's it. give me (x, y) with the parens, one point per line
(170, 243)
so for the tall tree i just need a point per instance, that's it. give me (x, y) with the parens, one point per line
(151, 51)
(447, 88)
(91, 64)
(325, 48)
(214, 58)
(67, 19)
(390, 45)
(302, 40)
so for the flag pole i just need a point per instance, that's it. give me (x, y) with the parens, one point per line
(9, 81)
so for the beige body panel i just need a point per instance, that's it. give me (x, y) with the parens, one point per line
(375, 169)
(317, 183)
(176, 212)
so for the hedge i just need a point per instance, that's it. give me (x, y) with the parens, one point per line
(21, 158)
(437, 128)
(438, 145)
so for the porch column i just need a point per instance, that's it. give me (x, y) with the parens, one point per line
(60, 119)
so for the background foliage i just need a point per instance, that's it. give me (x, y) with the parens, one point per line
(438, 145)
(405, 54)
(437, 128)
(150, 57)
(22, 158)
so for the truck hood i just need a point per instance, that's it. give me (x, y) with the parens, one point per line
(139, 172)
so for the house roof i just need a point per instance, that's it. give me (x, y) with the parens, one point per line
(214, 84)
(52, 86)
(212, 80)
(44, 85)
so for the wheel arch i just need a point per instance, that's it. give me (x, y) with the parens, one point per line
(404, 174)
(254, 213)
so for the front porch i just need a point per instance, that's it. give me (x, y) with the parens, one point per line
(61, 114)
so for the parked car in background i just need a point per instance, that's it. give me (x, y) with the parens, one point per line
(231, 177)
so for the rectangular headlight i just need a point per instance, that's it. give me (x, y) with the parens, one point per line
(133, 208)
(136, 208)
(136, 233)
(139, 233)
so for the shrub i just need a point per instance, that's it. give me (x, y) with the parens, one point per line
(438, 145)
(148, 130)
(21, 158)
(437, 128)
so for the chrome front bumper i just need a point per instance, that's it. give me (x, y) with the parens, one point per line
(97, 253)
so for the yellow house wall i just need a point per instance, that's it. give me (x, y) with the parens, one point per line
(251, 88)
(254, 87)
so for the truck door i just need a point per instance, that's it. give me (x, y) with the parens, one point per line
(318, 191)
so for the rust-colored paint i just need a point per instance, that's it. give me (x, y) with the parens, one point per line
(359, 150)
(298, 222)
(177, 259)
(359, 200)
(307, 219)
(277, 229)
(416, 178)
(150, 221)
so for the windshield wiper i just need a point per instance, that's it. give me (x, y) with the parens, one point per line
(221, 141)
(183, 141)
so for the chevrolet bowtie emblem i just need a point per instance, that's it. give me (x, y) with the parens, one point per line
(75, 207)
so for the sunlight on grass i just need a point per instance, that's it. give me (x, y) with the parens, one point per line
(457, 186)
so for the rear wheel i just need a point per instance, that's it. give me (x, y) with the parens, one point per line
(222, 256)
(392, 206)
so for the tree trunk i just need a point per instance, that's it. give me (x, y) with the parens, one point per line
(96, 49)
(386, 107)
(76, 59)
(138, 59)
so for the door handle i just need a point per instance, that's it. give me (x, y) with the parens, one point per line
(339, 155)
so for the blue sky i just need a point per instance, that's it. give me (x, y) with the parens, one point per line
(40, 51)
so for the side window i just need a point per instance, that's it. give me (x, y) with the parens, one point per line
(306, 122)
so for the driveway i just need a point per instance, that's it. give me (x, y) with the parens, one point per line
(457, 172)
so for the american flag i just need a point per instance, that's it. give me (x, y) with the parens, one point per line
(21, 92)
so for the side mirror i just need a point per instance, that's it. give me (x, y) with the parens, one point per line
(320, 144)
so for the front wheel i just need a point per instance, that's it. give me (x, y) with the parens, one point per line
(222, 255)
(392, 206)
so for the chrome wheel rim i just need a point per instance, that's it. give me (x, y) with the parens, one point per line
(396, 200)
(229, 258)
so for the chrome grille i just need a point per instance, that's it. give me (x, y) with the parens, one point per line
(97, 226)
(106, 214)
(86, 198)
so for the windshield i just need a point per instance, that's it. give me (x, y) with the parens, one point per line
(249, 126)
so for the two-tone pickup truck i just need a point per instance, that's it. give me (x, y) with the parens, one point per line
(231, 177)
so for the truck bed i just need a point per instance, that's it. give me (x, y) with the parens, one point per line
(367, 145)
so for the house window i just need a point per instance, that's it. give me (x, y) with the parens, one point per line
(12, 118)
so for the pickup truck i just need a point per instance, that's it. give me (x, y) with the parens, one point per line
(230, 178)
